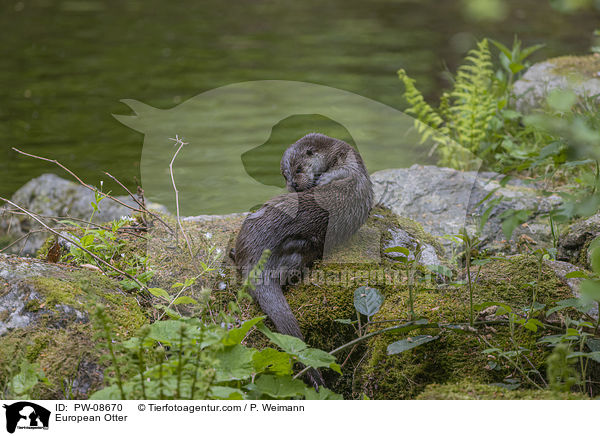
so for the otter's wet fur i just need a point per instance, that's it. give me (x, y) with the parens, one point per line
(330, 197)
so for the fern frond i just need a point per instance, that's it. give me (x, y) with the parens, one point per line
(472, 104)
(427, 119)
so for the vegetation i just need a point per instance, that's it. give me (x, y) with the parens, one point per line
(482, 325)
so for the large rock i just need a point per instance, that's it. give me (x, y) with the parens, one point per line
(445, 200)
(51, 196)
(574, 241)
(45, 320)
(580, 74)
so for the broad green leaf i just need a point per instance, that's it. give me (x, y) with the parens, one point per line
(561, 99)
(280, 387)
(591, 289)
(271, 360)
(26, 379)
(533, 324)
(595, 259)
(159, 292)
(593, 344)
(184, 299)
(234, 363)
(108, 393)
(323, 394)
(235, 336)
(167, 332)
(318, 359)
(289, 344)
(226, 393)
(367, 300)
(402, 250)
(86, 240)
(409, 343)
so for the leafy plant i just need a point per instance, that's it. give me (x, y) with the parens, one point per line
(190, 359)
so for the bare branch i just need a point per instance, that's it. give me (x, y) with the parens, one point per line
(94, 189)
(51, 230)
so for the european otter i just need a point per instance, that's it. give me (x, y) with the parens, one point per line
(330, 197)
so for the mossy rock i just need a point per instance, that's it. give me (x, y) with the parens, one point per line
(477, 391)
(47, 322)
(574, 242)
(576, 73)
(456, 355)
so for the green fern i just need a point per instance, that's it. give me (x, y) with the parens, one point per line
(472, 104)
(463, 120)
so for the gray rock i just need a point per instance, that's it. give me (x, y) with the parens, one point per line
(445, 200)
(401, 238)
(49, 195)
(19, 292)
(573, 242)
(560, 73)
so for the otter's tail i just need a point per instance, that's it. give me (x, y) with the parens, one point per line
(272, 301)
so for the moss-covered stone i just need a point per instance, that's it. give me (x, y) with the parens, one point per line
(578, 67)
(60, 335)
(477, 391)
(457, 356)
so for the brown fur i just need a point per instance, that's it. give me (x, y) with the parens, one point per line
(330, 197)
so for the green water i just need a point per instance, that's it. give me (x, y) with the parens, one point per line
(66, 64)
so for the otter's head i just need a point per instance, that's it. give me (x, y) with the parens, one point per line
(304, 161)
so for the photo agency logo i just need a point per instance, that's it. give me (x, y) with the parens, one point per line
(25, 415)
(219, 153)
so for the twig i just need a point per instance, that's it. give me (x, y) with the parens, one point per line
(51, 230)
(179, 141)
(126, 229)
(16, 241)
(93, 188)
(367, 336)
(133, 197)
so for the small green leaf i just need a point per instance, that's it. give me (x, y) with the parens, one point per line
(159, 292)
(345, 321)
(367, 300)
(235, 336)
(184, 299)
(576, 275)
(409, 343)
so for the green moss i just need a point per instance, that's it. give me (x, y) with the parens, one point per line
(43, 250)
(476, 391)
(68, 353)
(457, 356)
(582, 67)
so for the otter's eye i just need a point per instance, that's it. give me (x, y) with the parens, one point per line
(298, 170)
(309, 152)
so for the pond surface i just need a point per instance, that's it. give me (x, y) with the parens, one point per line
(67, 64)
